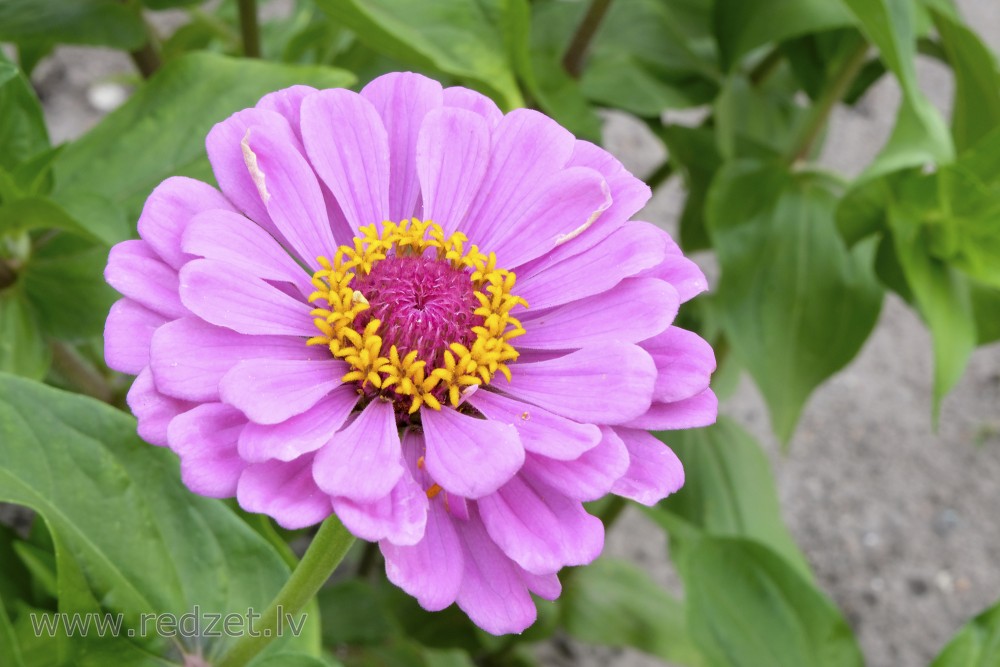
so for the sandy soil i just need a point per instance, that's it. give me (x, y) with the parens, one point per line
(898, 521)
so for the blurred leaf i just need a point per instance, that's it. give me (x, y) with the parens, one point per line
(33, 213)
(64, 281)
(747, 607)
(986, 307)
(977, 644)
(286, 659)
(920, 135)
(754, 122)
(977, 82)
(743, 25)
(940, 293)
(794, 302)
(10, 647)
(352, 613)
(103, 178)
(22, 132)
(693, 152)
(23, 348)
(964, 227)
(169, 4)
(730, 491)
(613, 603)
(407, 654)
(458, 37)
(100, 22)
(80, 465)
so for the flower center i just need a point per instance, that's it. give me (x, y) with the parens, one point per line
(417, 316)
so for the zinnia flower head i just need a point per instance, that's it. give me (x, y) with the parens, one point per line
(433, 319)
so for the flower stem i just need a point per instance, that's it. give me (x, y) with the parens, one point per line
(824, 105)
(249, 28)
(577, 51)
(320, 560)
(80, 372)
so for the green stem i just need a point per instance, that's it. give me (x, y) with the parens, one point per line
(660, 175)
(80, 373)
(824, 105)
(577, 50)
(324, 554)
(249, 28)
(765, 68)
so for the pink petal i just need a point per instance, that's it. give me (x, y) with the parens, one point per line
(632, 311)
(654, 471)
(452, 154)
(269, 391)
(467, 456)
(302, 433)
(231, 238)
(349, 148)
(540, 528)
(463, 98)
(610, 384)
(225, 152)
(135, 270)
(540, 431)
(363, 462)
(561, 276)
(528, 149)
(127, 335)
(684, 364)
(699, 410)
(290, 192)
(169, 208)
(403, 99)
(399, 517)
(545, 586)
(285, 491)
(686, 277)
(153, 410)
(492, 592)
(227, 298)
(190, 356)
(587, 478)
(205, 440)
(288, 103)
(431, 569)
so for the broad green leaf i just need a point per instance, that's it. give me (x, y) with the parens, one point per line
(694, 155)
(977, 644)
(794, 302)
(940, 293)
(352, 613)
(22, 132)
(100, 22)
(752, 122)
(920, 135)
(23, 348)
(743, 25)
(730, 491)
(747, 607)
(33, 213)
(14, 584)
(129, 537)
(977, 82)
(286, 659)
(457, 37)
(103, 178)
(614, 603)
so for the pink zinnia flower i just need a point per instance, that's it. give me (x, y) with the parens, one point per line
(454, 389)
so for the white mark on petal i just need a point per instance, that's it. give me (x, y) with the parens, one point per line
(606, 191)
(250, 158)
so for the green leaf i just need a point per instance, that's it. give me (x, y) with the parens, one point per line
(286, 659)
(794, 302)
(79, 464)
(23, 348)
(920, 134)
(977, 644)
(986, 307)
(694, 154)
(743, 25)
(614, 603)
(103, 178)
(32, 213)
(747, 607)
(100, 22)
(352, 613)
(977, 82)
(730, 491)
(22, 132)
(10, 647)
(755, 122)
(457, 37)
(940, 293)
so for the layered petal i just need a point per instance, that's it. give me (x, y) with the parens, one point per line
(269, 391)
(284, 490)
(588, 477)
(302, 433)
(127, 335)
(136, 271)
(431, 569)
(702, 409)
(463, 98)
(398, 518)
(467, 456)
(169, 208)
(153, 410)
(609, 384)
(363, 462)
(684, 363)
(654, 471)
(205, 440)
(288, 103)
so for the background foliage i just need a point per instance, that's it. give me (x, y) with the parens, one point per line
(805, 256)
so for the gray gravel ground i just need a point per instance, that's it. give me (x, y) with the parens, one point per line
(899, 522)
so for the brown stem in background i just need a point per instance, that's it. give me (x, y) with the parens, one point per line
(7, 275)
(147, 57)
(80, 373)
(577, 51)
(249, 28)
